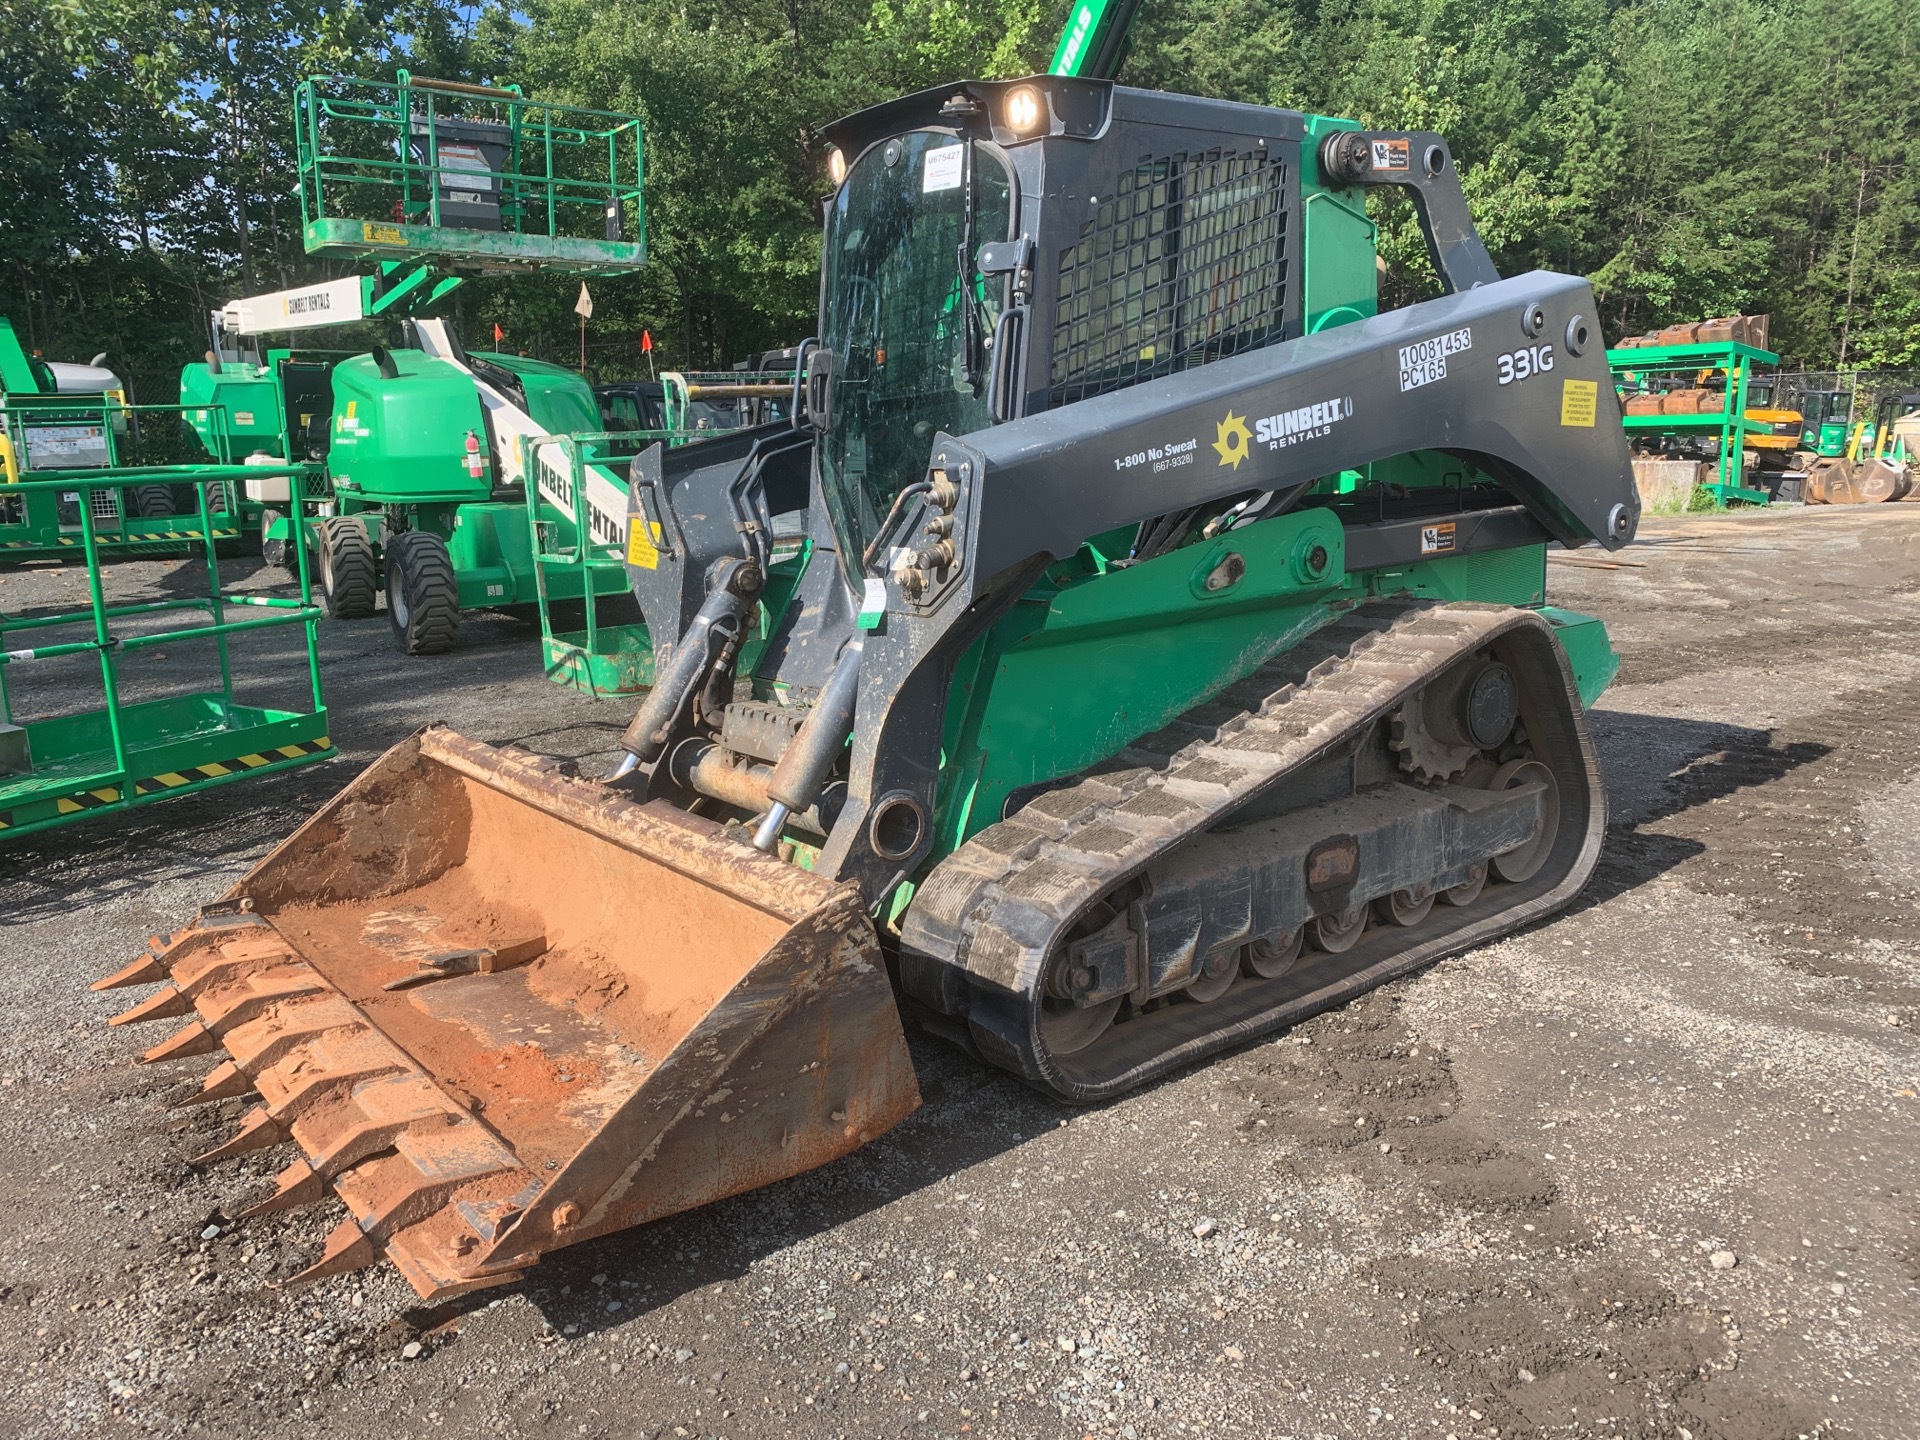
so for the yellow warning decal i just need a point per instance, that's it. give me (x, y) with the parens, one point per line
(1579, 402)
(642, 550)
(381, 235)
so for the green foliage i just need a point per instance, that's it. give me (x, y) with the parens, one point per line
(1693, 160)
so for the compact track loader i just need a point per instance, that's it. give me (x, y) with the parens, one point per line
(1170, 660)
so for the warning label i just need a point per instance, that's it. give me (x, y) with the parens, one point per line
(1391, 155)
(641, 549)
(1579, 402)
(1437, 539)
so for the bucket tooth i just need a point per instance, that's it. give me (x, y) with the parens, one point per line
(257, 1131)
(347, 1248)
(195, 1039)
(236, 960)
(381, 1112)
(262, 1043)
(298, 1184)
(163, 1004)
(223, 1082)
(147, 970)
(324, 1067)
(428, 1164)
(248, 997)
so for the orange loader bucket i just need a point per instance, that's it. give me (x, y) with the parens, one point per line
(501, 1011)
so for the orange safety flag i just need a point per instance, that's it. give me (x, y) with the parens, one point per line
(646, 342)
(498, 334)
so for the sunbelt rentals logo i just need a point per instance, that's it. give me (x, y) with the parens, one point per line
(1303, 422)
(1230, 444)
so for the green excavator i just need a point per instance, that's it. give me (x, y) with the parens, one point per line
(1169, 660)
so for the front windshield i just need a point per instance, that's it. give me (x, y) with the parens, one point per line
(906, 320)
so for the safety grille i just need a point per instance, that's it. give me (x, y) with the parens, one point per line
(105, 504)
(1186, 263)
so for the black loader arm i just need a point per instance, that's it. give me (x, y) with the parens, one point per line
(1419, 162)
(1509, 376)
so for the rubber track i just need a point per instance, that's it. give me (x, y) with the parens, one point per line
(1000, 904)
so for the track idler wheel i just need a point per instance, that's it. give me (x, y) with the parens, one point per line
(1216, 975)
(1274, 955)
(1404, 907)
(1069, 1028)
(1523, 861)
(1340, 932)
(1468, 890)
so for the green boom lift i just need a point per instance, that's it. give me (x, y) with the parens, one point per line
(453, 480)
(1170, 658)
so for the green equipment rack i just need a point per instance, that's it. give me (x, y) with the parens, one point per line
(66, 767)
(1635, 369)
(476, 175)
(613, 660)
(600, 660)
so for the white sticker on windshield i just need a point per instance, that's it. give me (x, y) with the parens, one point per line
(943, 169)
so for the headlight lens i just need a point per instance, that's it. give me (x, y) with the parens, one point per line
(836, 165)
(1024, 110)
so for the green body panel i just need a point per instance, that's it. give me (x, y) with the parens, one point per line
(1340, 281)
(1584, 638)
(1093, 658)
(402, 440)
(20, 374)
(492, 556)
(250, 416)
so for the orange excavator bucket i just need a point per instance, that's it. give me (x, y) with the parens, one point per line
(501, 1011)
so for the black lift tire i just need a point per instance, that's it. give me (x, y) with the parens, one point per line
(349, 580)
(150, 502)
(274, 552)
(423, 599)
(221, 508)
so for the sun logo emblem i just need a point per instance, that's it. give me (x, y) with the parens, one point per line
(1233, 440)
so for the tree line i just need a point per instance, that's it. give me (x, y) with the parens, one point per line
(1692, 160)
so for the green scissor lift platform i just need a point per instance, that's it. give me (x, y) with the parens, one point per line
(474, 173)
(572, 538)
(63, 767)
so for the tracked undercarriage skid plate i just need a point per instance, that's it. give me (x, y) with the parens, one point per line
(982, 930)
(500, 1011)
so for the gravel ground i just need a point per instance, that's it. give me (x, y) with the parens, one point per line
(1644, 1170)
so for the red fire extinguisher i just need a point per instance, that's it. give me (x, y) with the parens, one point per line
(476, 462)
